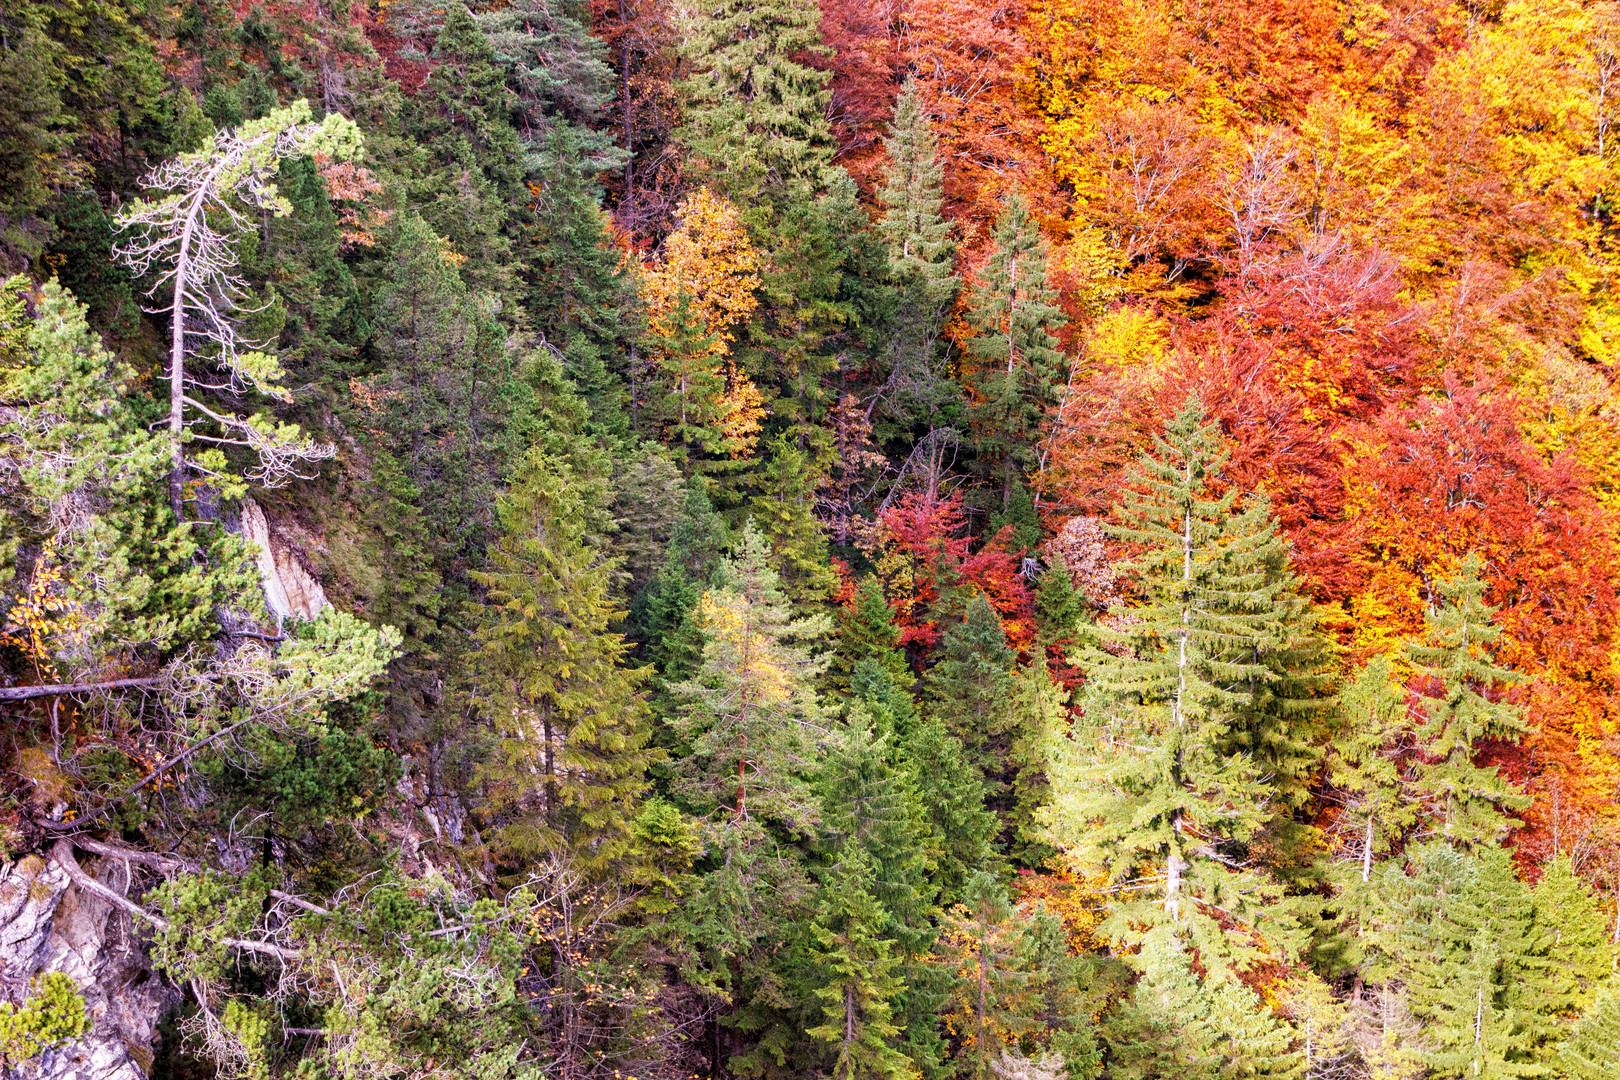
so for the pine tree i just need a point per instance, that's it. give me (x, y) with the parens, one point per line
(751, 708)
(1038, 708)
(1364, 761)
(994, 1004)
(1198, 709)
(1580, 952)
(859, 977)
(1462, 705)
(551, 674)
(1017, 364)
(867, 632)
(1592, 1051)
(913, 225)
(755, 113)
(970, 687)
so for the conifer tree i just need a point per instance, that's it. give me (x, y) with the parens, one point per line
(1461, 687)
(464, 164)
(913, 224)
(667, 606)
(859, 977)
(1456, 933)
(551, 674)
(755, 113)
(752, 712)
(1592, 1051)
(1364, 761)
(867, 632)
(784, 512)
(1038, 709)
(560, 81)
(970, 687)
(1580, 954)
(1198, 709)
(994, 1003)
(1017, 366)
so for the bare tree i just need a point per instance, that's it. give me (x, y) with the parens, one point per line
(187, 235)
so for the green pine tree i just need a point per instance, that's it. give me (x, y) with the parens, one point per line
(921, 249)
(1364, 761)
(867, 631)
(784, 512)
(1462, 705)
(755, 114)
(1580, 950)
(970, 687)
(1592, 1051)
(551, 675)
(1017, 366)
(1199, 704)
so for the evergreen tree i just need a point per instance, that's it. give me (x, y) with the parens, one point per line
(751, 710)
(859, 977)
(994, 1005)
(1198, 709)
(1461, 688)
(1456, 933)
(1364, 761)
(560, 82)
(913, 225)
(1017, 366)
(1039, 712)
(783, 511)
(1580, 952)
(551, 675)
(867, 632)
(971, 685)
(1592, 1051)
(755, 113)
(667, 606)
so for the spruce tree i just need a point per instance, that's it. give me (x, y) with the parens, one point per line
(1199, 702)
(867, 632)
(1017, 367)
(552, 677)
(1461, 687)
(969, 689)
(1038, 709)
(665, 609)
(751, 712)
(1592, 1051)
(755, 114)
(1364, 762)
(913, 225)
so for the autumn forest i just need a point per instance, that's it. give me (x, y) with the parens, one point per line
(870, 540)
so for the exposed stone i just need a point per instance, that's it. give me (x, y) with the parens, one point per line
(48, 924)
(289, 589)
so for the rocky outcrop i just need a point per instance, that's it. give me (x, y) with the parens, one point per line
(289, 589)
(49, 924)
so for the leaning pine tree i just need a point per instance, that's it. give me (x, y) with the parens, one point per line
(1191, 696)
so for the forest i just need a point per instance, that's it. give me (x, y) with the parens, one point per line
(788, 539)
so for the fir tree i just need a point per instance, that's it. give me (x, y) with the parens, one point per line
(1198, 710)
(1017, 366)
(913, 225)
(755, 113)
(667, 606)
(751, 709)
(1592, 1051)
(552, 677)
(1580, 954)
(1461, 703)
(783, 511)
(867, 632)
(970, 687)
(859, 978)
(1364, 761)
(1038, 709)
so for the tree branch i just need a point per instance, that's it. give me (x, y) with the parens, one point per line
(24, 693)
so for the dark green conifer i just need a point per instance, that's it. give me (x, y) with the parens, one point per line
(970, 688)
(1462, 704)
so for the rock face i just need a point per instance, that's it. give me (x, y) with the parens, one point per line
(48, 924)
(289, 590)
